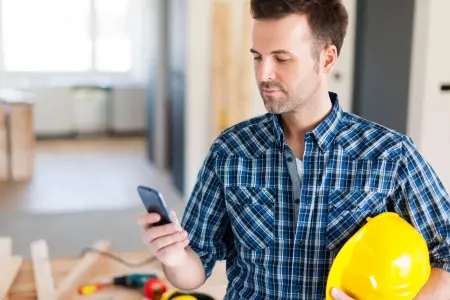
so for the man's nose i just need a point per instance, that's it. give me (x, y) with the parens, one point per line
(266, 71)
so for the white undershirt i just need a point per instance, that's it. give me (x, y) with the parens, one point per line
(300, 169)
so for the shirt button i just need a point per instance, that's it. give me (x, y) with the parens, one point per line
(290, 159)
(301, 242)
(297, 201)
(299, 288)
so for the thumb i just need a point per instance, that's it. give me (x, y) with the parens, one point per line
(337, 294)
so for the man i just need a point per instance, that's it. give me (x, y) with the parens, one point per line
(279, 195)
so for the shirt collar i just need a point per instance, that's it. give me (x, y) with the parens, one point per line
(324, 133)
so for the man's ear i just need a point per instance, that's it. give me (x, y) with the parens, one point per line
(329, 58)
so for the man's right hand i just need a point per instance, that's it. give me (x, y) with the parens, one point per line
(167, 242)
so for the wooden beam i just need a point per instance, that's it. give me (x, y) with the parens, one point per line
(246, 65)
(68, 286)
(42, 270)
(10, 267)
(5, 247)
(231, 60)
(4, 149)
(22, 141)
(222, 43)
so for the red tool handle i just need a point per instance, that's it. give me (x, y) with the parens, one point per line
(154, 289)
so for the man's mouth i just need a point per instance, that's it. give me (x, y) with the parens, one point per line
(270, 92)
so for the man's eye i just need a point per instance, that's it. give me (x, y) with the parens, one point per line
(282, 59)
(257, 58)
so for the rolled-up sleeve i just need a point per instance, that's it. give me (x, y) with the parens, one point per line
(423, 201)
(205, 218)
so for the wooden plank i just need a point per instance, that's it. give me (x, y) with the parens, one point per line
(4, 150)
(68, 287)
(246, 65)
(5, 247)
(222, 43)
(10, 267)
(22, 141)
(231, 61)
(42, 271)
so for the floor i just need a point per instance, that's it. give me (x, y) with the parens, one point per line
(82, 191)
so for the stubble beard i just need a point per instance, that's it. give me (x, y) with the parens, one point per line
(280, 104)
(286, 103)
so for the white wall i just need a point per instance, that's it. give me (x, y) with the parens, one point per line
(198, 90)
(429, 112)
(343, 84)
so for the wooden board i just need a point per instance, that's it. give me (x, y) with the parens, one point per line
(222, 71)
(68, 287)
(22, 141)
(10, 267)
(232, 78)
(42, 271)
(5, 247)
(246, 62)
(24, 288)
(231, 61)
(4, 165)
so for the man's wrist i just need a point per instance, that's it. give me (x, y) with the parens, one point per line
(182, 260)
(437, 287)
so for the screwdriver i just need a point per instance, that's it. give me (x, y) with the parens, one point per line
(134, 281)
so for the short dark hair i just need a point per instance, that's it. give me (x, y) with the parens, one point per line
(328, 19)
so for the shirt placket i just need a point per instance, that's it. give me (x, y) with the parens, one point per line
(298, 239)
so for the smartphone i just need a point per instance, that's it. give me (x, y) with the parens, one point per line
(154, 203)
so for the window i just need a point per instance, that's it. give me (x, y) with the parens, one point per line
(113, 51)
(66, 35)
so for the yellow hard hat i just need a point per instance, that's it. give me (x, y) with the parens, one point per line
(387, 259)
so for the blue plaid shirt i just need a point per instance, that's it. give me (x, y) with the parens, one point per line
(278, 240)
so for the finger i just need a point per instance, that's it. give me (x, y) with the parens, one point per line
(156, 232)
(184, 243)
(168, 240)
(337, 294)
(145, 220)
(149, 245)
(176, 221)
(178, 245)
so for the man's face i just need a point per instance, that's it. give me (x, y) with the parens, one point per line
(286, 65)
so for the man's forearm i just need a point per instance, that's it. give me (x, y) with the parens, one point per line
(437, 286)
(190, 275)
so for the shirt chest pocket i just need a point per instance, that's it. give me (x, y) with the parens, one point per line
(251, 210)
(348, 211)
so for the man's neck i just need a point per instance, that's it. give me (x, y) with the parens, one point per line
(296, 124)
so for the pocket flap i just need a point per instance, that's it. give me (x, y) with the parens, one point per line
(348, 211)
(251, 211)
(251, 195)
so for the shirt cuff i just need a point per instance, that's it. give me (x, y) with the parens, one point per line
(207, 260)
(442, 265)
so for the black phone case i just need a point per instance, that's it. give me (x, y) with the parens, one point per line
(154, 203)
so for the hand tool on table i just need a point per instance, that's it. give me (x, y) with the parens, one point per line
(133, 281)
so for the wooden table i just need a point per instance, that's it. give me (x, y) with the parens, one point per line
(24, 289)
